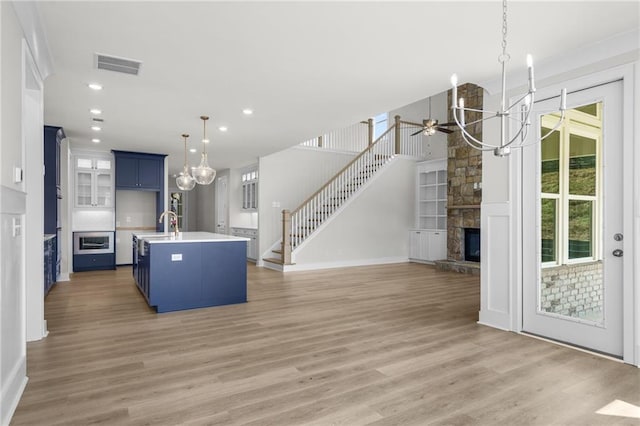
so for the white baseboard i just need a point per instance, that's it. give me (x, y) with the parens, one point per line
(12, 389)
(344, 264)
(64, 277)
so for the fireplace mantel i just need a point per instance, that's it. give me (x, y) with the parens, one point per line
(464, 206)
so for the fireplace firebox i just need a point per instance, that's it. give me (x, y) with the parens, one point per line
(472, 244)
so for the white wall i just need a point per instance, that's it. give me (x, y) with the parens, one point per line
(239, 218)
(12, 208)
(501, 284)
(370, 229)
(205, 196)
(436, 145)
(286, 179)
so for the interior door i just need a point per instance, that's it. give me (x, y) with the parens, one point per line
(572, 222)
(222, 195)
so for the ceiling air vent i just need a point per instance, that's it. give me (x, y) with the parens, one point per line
(113, 63)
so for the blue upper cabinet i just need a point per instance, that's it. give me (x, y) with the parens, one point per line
(139, 171)
(52, 138)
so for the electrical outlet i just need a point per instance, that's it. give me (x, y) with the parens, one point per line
(16, 226)
(17, 175)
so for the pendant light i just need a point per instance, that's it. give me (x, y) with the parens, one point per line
(517, 113)
(185, 181)
(203, 174)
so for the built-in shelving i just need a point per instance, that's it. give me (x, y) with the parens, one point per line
(432, 199)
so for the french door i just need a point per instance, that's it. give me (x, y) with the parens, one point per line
(573, 245)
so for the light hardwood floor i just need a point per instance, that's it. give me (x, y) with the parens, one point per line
(384, 345)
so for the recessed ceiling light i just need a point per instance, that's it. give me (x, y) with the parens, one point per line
(95, 140)
(223, 128)
(193, 150)
(95, 111)
(95, 86)
(96, 128)
(247, 111)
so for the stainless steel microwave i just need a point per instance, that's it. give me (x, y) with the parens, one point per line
(93, 242)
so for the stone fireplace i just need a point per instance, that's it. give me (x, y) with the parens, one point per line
(464, 192)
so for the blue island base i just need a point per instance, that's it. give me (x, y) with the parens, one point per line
(177, 276)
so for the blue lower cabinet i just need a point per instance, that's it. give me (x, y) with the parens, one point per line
(49, 262)
(224, 272)
(175, 276)
(179, 276)
(92, 262)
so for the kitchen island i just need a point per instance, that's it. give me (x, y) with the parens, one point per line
(190, 270)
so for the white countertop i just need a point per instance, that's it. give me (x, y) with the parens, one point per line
(186, 237)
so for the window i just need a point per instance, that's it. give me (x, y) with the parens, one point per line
(381, 124)
(250, 189)
(570, 187)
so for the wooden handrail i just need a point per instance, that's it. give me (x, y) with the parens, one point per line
(342, 170)
(411, 123)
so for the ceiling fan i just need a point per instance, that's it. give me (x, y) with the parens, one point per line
(430, 126)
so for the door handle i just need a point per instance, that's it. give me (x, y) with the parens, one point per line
(617, 253)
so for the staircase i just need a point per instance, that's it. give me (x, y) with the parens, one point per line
(301, 223)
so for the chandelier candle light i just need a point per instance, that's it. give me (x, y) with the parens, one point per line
(185, 181)
(203, 174)
(525, 102)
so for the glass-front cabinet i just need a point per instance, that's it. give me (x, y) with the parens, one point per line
(250, 189)
(93, 182)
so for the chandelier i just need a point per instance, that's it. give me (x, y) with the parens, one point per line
(185, 181)
(203, 174)
(517, 112)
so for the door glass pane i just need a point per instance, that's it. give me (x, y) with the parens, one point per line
(103, 164)
(83, 188)
(550, 167)
(582, 165)
(103, 189)
(580, 229)
(84, 163)
(571, 270)
(591, 109)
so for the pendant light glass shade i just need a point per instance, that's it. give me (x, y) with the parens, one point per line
(204, 174)
(185, 181)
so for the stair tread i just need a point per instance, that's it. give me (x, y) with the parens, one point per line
(273, 260)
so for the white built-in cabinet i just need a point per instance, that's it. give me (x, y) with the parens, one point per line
(93, 182)
(428, 241)
(252, 244)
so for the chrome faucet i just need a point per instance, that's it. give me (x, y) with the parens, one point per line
(175, 217)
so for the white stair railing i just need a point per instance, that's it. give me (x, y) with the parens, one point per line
(354, 138)
(300, 223)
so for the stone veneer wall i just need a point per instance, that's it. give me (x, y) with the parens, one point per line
(464, 170)
(573, 290)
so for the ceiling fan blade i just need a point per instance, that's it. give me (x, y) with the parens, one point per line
(444, 130)
(418, 132)
(448, 124)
